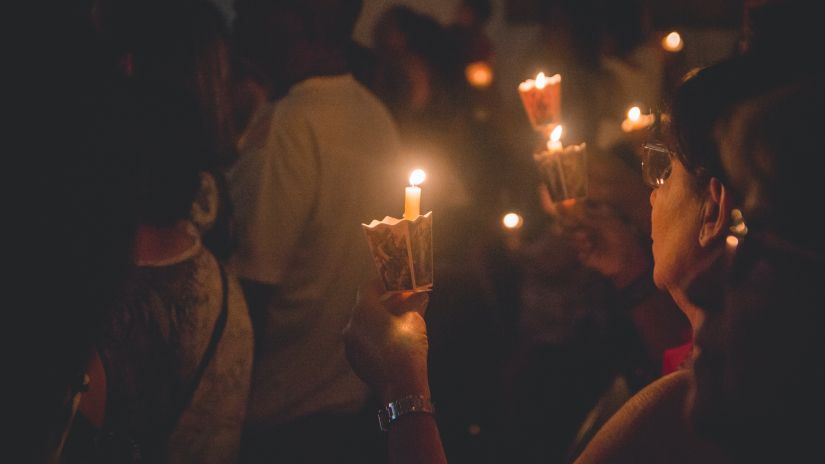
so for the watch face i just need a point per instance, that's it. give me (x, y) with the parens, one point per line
(383, 420)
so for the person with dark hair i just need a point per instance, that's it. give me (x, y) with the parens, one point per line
(313, 166)
(759, 373)
(174, 362)
(186, 48)
(258, 36)
(696, 217)
(471, 18)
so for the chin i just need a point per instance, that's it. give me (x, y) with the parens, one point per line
(657, 279)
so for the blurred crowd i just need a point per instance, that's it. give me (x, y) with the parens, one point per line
(191, 234)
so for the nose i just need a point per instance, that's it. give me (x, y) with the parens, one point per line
(653, 197)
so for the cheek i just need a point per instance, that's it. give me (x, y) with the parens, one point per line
(661, 233)
(674, 230)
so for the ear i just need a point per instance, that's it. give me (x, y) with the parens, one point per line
(715, 213)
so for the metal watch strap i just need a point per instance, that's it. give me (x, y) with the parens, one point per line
(406, 405)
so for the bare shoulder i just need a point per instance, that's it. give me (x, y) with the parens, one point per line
(652, 426)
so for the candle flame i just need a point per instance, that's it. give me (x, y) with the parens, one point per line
(555, 136)
(479, 74)
(512, 221)
(541, 80)
(418, 176)
(673, 42)
(634, 114)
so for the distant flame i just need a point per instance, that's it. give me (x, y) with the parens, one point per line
(479, 74)
(673, 42)
(634, 114)
(418, 176)
(512, 221)
(541, 80)
(555, 136)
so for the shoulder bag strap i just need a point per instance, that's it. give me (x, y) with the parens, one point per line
(185, 398)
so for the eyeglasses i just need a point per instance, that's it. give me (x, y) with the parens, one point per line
(656, 164)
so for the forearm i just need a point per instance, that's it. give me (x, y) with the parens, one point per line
(414, 439)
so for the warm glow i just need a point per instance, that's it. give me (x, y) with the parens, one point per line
(541, 81)
(673, 42)
(636, 120)
(479, 74)
(418, 176)
(732, 241)
(512, 221)
(555, 136)
(634, 114)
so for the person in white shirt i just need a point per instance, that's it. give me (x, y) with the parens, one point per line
(312, 168)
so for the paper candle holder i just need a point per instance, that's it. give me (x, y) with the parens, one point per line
(542, 101)
(402, 250)
(564, 171)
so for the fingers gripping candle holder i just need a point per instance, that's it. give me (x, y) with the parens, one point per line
(403, 252)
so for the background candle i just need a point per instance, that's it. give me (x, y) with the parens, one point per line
(512, 221)
(636, 120)
(542, 100)
(412, 195)
(673, 42)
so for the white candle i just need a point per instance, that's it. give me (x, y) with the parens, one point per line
(554, 144)
(412, 195)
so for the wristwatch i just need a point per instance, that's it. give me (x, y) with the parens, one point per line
(406, 405)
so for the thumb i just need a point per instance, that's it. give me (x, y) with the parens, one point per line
(408, 302)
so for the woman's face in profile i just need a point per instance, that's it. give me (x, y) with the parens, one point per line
(675, 223)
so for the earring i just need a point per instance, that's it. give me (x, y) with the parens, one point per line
(738, 228)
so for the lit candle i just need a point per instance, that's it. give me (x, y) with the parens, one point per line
(636, 120)
(412, 197)
(541, 98)
(554, 145)
(673, 42)
(541, 81)
(563, 168)
(512, 221)
(479, 74)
